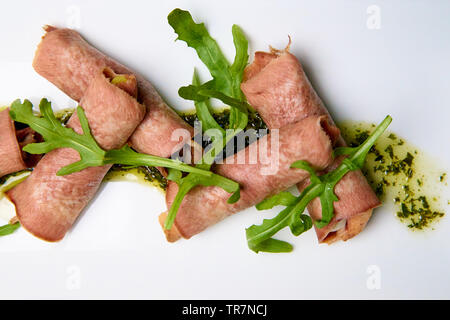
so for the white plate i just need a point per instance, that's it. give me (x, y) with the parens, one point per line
(117, 249)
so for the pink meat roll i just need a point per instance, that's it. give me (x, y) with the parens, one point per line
(70, 63)
(310, 140)
(46, 204)
(277, 87)
(12, 141)
(11, 159)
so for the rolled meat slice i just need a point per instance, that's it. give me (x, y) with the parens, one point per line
(64, 58)
(46, 204)
(11, 159)
(277, 87)
(267, 174)
(12, 141)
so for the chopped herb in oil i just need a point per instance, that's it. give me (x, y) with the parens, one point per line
(396, 172)
(64, 115)
(144, 174)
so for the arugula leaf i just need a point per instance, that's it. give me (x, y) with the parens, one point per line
(58, 136)
(202, 94)
(7, 229)
(235, 104)
(241, 57)
(299, 223)
(224, 86)
(327, 192)
(226, 79)
(237, 71)
(174, 175)
(283, 198)
(203, 109)
(197, 37)
(273, 246)
(259, 237)
(185, 184)
(191, 181)
(260, 233)
(127, 156)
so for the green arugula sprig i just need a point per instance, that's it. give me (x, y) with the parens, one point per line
(58, 136)
(187, 183)
(226, 78)
(203, 109)
(202, 94)
(7, 183)
(8, 229)
(224, 86)
(259, 237)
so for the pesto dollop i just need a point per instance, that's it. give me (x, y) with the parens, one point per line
(143, 174)
(222, 118)
(64, 115)
(401, 174)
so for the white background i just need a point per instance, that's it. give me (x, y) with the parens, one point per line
(117, 249)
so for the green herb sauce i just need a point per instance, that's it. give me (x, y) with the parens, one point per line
(401, 174)
(5, 178)
(143, 175)
(255, 123)
(64, 115)
(222, 115)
